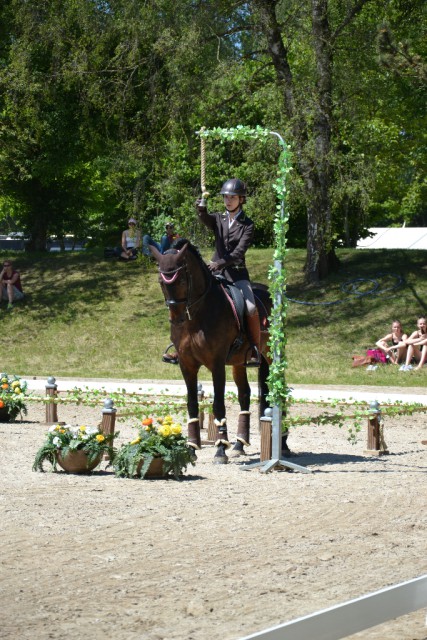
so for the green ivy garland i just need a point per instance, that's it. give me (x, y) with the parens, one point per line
(278, 389)
(139, 405)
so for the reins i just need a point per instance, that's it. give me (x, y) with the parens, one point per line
(167, 281)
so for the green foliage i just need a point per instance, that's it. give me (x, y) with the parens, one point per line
(354, 420)
(164, 440)
(12, 395)
(65, 439)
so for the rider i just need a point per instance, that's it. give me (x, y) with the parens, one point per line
(233, 237)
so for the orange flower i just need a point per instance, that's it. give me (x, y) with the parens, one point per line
(1, 404)
(5, 386)
(147, 422)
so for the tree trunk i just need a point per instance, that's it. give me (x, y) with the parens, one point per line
(37, 198)
(314, 167)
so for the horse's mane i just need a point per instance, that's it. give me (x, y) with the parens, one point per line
(180, 242)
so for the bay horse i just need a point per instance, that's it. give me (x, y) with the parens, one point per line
(205, 330)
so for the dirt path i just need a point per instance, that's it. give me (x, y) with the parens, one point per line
(219, 555)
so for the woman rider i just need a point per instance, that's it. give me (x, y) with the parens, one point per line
(233, 236)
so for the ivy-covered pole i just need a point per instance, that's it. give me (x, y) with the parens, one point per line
(278, 390)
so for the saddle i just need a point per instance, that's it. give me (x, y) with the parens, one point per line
(237, 303)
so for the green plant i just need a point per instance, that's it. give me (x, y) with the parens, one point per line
(66, 439)
(12, 395)
(164, 440)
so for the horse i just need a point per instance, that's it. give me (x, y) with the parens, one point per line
(206, 330)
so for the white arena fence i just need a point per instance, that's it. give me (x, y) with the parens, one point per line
(353, 616)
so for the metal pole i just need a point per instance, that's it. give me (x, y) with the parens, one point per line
(276, 434)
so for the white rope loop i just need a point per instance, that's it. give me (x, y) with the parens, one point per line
(203, 165)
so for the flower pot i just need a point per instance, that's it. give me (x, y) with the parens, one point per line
(5, 416)
(77, 461)
(155, 470)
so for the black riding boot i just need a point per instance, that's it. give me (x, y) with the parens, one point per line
(253, 356)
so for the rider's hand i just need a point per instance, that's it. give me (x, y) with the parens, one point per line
(213, 266)
(201, 207)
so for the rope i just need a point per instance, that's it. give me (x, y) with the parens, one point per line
(203, 165)
(350, 287)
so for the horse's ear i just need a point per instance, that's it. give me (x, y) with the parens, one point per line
(155, 252)
(183, 249)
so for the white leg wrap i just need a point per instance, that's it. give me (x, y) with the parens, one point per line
(226, 444)
(221, 423)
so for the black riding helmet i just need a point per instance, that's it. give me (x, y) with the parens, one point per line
(233, 187)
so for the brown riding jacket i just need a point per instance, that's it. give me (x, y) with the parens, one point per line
(231, 243)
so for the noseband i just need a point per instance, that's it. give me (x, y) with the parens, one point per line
(169, 278)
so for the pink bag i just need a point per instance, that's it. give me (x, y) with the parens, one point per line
(377, 355)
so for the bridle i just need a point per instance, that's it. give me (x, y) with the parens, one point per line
(169, 278)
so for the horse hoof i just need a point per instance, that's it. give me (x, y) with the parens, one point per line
(220, 460)
(287, 453)
(237, 450)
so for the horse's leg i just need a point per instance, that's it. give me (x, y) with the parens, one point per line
(190, 378)
(218, 405)
(244, 395)
(263, 372)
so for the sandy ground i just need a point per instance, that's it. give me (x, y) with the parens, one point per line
(219, 555)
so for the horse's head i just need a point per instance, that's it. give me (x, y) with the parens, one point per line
(181, 279)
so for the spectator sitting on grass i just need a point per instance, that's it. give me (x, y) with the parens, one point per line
(165, 243)
(131, 241)
(395, 352)
(417, 346)
(10, 282)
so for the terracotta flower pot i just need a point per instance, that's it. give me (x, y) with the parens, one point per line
(77, 462)
(155, 470)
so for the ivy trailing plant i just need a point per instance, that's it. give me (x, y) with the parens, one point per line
(136, 404)
(278, 389)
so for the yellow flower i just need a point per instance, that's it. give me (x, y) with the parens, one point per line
(176, 428)
(83, 428)
(168, 420)
(136, 441)
(17, 390)
(61, 430)
(100, 437)
(15, 383)
(165, 430)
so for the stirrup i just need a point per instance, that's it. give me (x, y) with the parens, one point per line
(170, 358)
(252, 360)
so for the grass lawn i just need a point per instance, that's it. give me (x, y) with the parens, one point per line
(85, 316)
